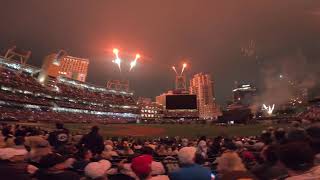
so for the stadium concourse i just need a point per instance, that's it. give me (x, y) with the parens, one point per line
(22, 97)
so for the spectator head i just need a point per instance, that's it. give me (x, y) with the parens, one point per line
(125, 144)
(141, 166)
(187, 155)
(184, 142)
(279, 134)
(230, 161)
(147, 150)
(59, 125)
(85, 153)
(95, 129)
(95, 170)
(18, 141)
(296, 156)
(108, 148)
(108, 142)
(202, 144)
(239, 144)
(229, 144)
(295, 124)
(270, 129)
(266, 137)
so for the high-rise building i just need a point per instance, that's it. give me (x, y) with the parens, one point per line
(61, 64)
(202, 86)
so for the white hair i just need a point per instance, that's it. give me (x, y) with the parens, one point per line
(187, 155)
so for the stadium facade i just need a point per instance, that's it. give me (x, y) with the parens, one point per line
(23, 97)
(150, 111)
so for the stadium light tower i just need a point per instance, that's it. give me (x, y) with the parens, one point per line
(17, 54)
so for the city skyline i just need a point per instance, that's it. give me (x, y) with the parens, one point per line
(239, 41)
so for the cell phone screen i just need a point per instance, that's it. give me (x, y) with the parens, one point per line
(213, 176)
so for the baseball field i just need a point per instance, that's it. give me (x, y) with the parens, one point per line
(162, 130)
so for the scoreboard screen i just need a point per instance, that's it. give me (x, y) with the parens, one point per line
(181, 102)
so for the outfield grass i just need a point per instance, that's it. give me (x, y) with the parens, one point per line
(184, 130)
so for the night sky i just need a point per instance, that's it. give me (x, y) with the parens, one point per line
(207, 34)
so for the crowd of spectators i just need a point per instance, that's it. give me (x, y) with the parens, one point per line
(33, 153)
(21, 114)
(312, 114)
(20, 90)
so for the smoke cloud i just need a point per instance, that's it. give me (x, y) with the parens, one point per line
(286, 78)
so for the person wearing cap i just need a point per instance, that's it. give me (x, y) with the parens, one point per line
(298, 158)
(55, 167)
(157, 168)
(189, 170)
(141, 166)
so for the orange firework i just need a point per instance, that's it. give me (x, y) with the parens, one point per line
(183, 67)
(117, 60)
(134, 62)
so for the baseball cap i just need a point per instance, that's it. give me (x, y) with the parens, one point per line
(141, 165)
